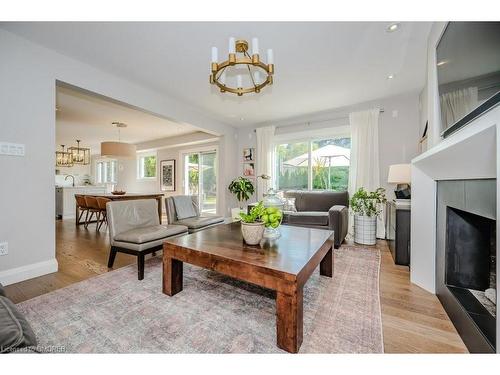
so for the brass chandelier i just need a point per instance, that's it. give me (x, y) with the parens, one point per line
(81, 155)
(257, 75)
(64, 158)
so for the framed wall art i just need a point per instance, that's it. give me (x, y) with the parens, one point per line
(167, 175)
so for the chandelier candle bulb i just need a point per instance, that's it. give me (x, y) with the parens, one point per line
(256, 77)
(232, 45)
(255, 46)
(270, 56)
(214, 54)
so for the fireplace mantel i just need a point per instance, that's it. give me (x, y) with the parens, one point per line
(470, 153)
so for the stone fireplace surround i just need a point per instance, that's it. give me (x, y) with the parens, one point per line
(465, 254)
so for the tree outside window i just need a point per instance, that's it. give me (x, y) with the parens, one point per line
(146, 167)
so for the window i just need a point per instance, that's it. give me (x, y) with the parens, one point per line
(321, 164)
(106, 171)
(146, 166)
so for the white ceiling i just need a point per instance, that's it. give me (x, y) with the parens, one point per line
(319, 66)
(88, 118)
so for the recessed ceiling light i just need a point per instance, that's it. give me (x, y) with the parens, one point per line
(242, 119)
(390, 76)
(442, 62)
(392, 27)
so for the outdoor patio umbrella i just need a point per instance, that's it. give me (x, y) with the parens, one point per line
(336, 156)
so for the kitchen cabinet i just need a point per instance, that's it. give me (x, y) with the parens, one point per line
(65, 198)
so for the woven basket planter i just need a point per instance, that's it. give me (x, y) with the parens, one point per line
(365, 229)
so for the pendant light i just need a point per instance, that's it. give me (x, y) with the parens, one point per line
(64, 158)
(118, 149)
(81, 155)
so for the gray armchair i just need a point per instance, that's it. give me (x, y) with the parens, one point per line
(134, 228)
(320, 209)
(184, 210)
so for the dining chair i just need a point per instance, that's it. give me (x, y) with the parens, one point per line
(101, 203)
(93, 208)
(82, 207)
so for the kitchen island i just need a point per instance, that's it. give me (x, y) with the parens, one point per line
(65, 198)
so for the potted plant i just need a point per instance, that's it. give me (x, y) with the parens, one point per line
(366, 207)
(243, 189)
(252, 227)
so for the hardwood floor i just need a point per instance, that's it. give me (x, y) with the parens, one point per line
(413, 320)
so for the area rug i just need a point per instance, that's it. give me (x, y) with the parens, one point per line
(116, 313)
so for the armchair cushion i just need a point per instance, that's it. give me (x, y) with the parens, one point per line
(200, 221)
(148, 234)
(15, 331)
(338, 222)
(307, 218)
(184, 207)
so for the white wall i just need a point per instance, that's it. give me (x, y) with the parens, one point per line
(28, 74)
(398, 136)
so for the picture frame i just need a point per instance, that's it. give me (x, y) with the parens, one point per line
(167, 175)
(249, 170)
(248, 154)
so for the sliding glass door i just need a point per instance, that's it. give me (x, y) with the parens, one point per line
(200, 178)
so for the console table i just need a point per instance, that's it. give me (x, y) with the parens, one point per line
(398, 230)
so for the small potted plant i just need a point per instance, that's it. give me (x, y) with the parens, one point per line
(252, 227)
(366, 207)
(243, 189)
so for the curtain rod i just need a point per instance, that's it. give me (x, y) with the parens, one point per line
(315, 122)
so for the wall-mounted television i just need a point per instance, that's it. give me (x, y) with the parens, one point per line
(468, 70)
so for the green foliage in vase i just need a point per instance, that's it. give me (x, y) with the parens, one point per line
(366, 203)
(255, 214)
(242, 188)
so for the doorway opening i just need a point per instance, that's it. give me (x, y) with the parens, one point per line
(200, 178)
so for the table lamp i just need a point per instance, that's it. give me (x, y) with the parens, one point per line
(400, 174)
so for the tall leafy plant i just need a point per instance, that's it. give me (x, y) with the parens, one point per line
(242, 188)
(366, 203)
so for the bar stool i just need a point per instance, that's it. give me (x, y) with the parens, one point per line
(93, 208)
(101, 203)
(82, 207)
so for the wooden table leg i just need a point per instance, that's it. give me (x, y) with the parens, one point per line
(77, 215)
(172, 275)
(326, 265)
(289, 320)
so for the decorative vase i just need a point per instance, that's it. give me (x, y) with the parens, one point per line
(365, 229)
(271, 199)
(252, 232)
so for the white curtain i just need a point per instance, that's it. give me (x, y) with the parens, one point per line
(264, 160)
(364, 167)
(456, 104)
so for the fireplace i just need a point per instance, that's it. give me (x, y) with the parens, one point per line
(470, 262)
(466, 259)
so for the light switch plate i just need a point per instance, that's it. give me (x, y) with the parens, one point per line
(12, 149)
(4, 248)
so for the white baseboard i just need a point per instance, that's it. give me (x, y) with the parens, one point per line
(29, 271)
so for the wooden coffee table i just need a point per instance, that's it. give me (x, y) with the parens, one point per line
(285, 266)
